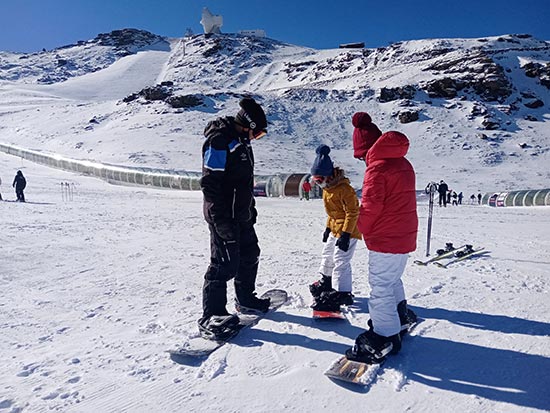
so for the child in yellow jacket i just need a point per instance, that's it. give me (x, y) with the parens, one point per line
(340, 236)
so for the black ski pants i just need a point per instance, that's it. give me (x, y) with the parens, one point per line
(228, 260)
(20, 195)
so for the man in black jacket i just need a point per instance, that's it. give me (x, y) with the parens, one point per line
(229, 209)
(442, 188)
(19, 183)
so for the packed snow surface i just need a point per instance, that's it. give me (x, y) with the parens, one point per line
(95, 289)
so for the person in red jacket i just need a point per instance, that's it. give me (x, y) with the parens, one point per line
(389, 224)
(306, 188)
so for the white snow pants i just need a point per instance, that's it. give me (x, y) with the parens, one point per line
(336, 263)
(385, 271)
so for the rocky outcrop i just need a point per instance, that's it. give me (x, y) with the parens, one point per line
(164, 92)
(539, 71)
(534, 104)
(408, 116)
(446, 88)
(390, 94)
(185, 101)
(474, 71)
(128, 39)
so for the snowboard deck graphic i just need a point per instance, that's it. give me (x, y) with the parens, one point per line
(328, 315)
(352, 371)
(357, 372)
(199, 347)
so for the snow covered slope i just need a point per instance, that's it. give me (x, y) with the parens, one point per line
(93, 291)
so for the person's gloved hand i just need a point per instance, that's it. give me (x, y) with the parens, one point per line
(326, 234)
(226, 230)
(343, 241)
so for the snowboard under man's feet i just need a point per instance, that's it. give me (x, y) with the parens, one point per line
(200, 347)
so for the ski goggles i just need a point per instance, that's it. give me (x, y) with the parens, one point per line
(320, 180)
(259, 135)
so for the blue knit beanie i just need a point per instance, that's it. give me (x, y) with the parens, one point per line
(322, 165)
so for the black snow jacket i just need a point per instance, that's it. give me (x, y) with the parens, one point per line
(227, 178)
(19, 182)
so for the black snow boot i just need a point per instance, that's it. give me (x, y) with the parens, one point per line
(218, 327)
(320, 286)
(251, 304)
(344, 298)
(373, 348)
(327, 301)
(407, 317)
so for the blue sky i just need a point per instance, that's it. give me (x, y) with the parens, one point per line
(30, 25)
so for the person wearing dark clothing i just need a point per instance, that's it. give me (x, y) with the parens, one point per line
(460, 196)
(455, 197)
(229, 209)
(479, 198)
(19, 183)
(442, 189)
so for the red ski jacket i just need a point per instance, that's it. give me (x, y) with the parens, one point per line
(387, 217)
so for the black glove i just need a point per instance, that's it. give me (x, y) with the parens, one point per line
(343, 241)
(226, 230)
(326, 234)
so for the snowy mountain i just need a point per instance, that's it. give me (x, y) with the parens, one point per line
(78, 59)
(476, 110)
(98, 284)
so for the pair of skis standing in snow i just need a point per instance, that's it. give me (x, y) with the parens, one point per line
(387, 220)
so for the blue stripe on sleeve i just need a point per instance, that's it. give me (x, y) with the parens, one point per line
(215, 159)
(233, 145)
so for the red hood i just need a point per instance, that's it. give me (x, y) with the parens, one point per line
(364, 134)
(361, 120)
(390, 145)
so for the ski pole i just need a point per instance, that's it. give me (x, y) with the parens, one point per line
(430, 189)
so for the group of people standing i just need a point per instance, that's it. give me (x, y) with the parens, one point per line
(386, 219)
(19, 183)
(448, 196)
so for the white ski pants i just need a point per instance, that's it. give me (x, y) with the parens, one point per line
(336, 263)
(385, 271)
